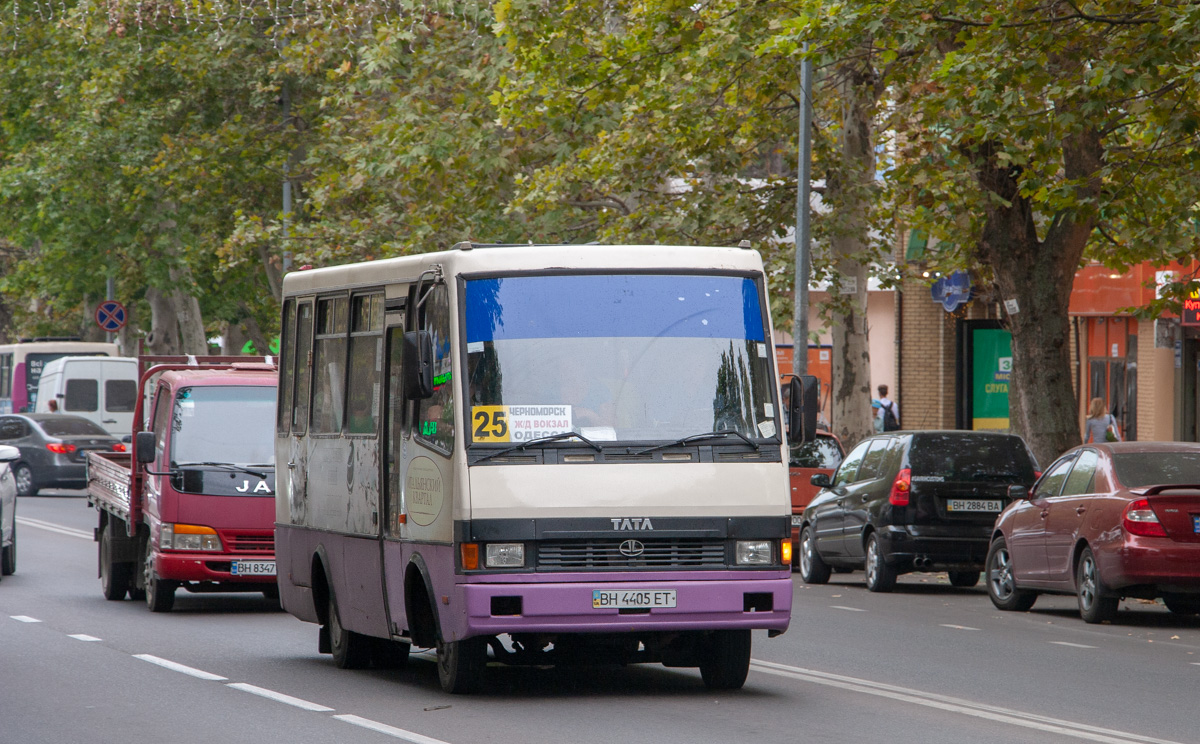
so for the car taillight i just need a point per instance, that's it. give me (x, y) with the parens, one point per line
(118, 447)
(900, 488)
(1140, 519)
(60, 448)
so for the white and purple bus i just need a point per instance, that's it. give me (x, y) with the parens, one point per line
(534, 455)
(21, 366)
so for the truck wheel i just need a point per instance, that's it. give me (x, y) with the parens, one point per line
(461, 664)
(160, 593)
(725, 659)
(8, 558)
(115, 578)
(350, 650)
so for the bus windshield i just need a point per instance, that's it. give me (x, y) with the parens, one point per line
(227, 424)
(617, 357)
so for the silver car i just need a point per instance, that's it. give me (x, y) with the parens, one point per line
(8, 508)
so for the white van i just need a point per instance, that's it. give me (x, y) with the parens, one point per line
(103, 389)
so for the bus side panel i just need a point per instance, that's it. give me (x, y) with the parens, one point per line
(294, 549)
(439, 563)
(357, 583)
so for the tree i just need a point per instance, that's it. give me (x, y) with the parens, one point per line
(1028, 140)
(677, 123)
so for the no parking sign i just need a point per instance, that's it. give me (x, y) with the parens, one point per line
(110, 316)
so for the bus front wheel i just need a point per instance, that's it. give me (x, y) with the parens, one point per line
(461, 664)
(725, 659)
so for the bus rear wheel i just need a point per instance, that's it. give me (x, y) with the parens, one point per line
(350, 650)
(725, 659)
(461, 664)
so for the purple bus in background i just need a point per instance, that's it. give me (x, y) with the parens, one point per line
(21, 366)
(517, 464)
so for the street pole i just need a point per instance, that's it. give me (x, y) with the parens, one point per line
(287, 185)
(803, 235)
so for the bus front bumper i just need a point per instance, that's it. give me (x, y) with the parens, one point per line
(538, 606)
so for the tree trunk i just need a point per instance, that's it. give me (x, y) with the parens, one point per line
(191, 326)
(262, 345)
(1039, 275)
(848, 193)
(164, 331)
(273, 269)
(233, 339)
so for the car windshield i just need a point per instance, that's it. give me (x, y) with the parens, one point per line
(954, 457)
(822, 452)
(224, 424)
(69, 426)
(644, 357)
(1137, 469)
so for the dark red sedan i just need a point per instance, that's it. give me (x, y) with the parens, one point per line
(1105, 521)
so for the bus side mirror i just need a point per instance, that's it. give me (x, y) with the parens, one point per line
(803, 404)
(144, 446)
(418, 365)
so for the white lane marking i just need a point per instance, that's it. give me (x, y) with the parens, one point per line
(383, 728)
(52, 527)
(1072, 645)
(958, 627)
(177, 667)
(279, 697)
(83, 637)
(958, 705)
(848, 609)
(24, 619)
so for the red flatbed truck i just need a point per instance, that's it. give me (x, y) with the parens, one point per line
(192, 506)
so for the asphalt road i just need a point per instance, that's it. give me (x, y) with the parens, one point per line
(928, 663)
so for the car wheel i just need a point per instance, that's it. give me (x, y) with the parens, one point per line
(350, 650)
(461, 663)
(8, 556)
(115, 578)
(1094, 606)
(1182, 604)
(880, 576)
(1001, 586)
(160, 593)
(23, 477)
(964, 579)
(725, 659)
(813, 570)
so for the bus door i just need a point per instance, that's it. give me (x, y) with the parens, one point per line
(419, 511)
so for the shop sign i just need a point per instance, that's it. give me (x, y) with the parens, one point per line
(1190, 316)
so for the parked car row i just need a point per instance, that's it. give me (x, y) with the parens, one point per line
(1105, 521)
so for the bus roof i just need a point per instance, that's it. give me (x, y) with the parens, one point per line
(468, 258)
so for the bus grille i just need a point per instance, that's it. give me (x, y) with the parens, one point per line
(585, 555)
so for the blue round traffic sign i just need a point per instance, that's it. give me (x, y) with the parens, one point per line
(110, 316)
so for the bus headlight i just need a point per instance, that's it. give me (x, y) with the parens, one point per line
(754, 553)
(505, 555)
(188, 537)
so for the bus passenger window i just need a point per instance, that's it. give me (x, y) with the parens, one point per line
(304, 325)
(366, 344)
(329, 366)
(434, 423)
(287, 366)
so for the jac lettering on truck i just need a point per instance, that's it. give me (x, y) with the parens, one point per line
(192, 507)
(470, 441)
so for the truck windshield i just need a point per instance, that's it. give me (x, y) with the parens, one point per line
(224, 424)
(617, 357)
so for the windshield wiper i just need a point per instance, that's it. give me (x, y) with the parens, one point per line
(226, 465)
(718, 434)
(542, 440)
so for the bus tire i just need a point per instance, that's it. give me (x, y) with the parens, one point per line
(8, 557)
(350, 650)
(461, 663)
(725, 659)
(115, 578)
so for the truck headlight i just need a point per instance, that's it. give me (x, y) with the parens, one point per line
(189, 537)
(505, 555)
(754, 553)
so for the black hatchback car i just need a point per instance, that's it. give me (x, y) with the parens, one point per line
(54, 449)
(912, 501)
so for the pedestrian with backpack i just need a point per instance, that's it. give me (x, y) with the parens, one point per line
(889, 412)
